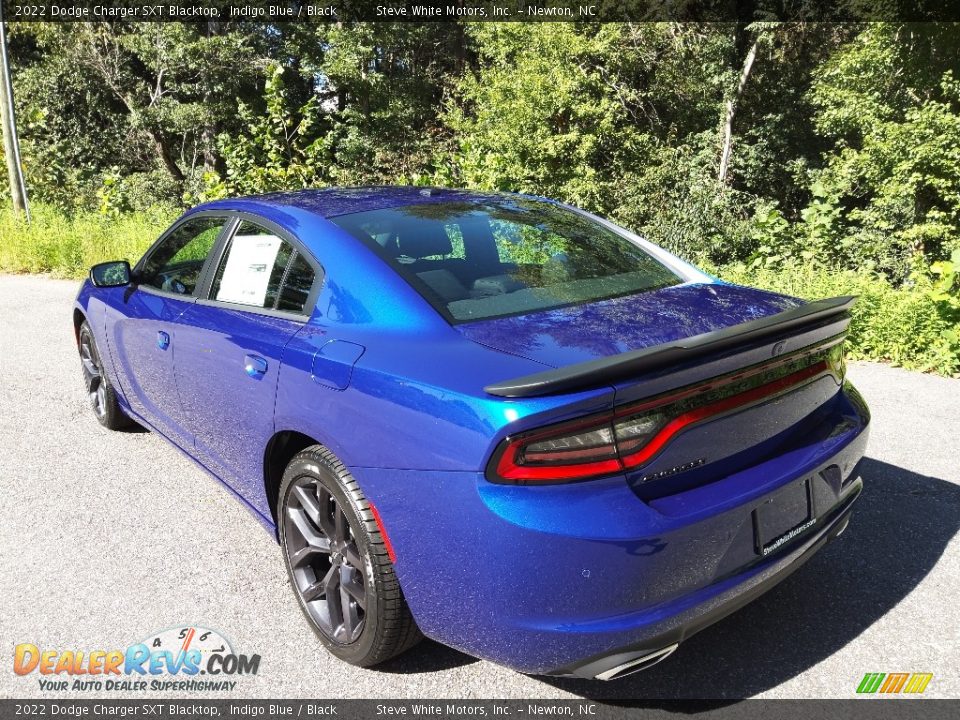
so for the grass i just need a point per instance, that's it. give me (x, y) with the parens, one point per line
(67, 245)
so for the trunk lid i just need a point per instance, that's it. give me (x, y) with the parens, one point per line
(740, 374)
(568, 335)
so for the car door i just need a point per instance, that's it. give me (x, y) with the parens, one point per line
(142, 328)
(231, 342)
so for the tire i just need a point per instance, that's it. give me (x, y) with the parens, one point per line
(333, 552)
(103, 399)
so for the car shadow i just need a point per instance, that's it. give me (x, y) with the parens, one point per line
(901, 526)
(428, 656)
(134, 428)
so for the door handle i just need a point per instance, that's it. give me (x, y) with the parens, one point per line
(254, 365)
(163, 340)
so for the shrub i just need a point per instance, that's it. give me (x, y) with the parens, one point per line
(67, 245)
(912, 326)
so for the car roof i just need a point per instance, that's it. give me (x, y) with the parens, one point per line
(334, 201)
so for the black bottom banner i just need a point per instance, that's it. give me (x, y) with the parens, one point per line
(872, 709)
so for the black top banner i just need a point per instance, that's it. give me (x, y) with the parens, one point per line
(327, 11)
(579, 709)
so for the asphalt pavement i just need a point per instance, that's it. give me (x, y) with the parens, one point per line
(108, 537)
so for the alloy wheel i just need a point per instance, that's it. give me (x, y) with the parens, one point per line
(93, 374)
(328, 570)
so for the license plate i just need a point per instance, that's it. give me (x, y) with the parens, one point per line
(783, 516)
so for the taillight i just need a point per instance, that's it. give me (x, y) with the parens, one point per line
(571, 451)
(631, 436)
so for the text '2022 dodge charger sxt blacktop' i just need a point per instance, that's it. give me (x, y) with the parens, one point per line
(491, 419)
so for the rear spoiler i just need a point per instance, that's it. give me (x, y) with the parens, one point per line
(619, 367)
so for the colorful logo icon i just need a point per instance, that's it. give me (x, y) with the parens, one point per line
(893, 683)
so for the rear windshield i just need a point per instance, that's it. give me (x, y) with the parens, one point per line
(476, 260)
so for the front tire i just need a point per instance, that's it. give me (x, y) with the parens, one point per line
(103, 399)
(338, 564)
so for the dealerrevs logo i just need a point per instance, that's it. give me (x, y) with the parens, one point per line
(187, 658)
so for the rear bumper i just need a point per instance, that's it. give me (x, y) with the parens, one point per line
(579, 579)
(644, 654)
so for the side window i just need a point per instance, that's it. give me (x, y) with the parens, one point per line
(252, 267)
(175, 265)
(255, 265)
(296, 287)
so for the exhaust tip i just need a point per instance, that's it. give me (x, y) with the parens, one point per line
(637, 664)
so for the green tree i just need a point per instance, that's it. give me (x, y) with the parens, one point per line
(621, 119)
(890, 103)
(355, 103)
(129, 100)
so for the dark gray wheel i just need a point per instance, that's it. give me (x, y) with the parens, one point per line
(328, 570)
(102, 397)
(337, 562)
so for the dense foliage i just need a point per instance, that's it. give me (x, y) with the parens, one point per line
(68, 244)
(916, 325)
(811, 158)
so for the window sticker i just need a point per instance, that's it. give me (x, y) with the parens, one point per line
(247, 273)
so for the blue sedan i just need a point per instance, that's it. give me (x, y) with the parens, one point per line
(491, 419)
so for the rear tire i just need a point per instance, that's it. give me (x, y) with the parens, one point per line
(103, 399)
(338, 564)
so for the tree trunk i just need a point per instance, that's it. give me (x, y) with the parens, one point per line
(208, 141)
(212, 162)
(732, 110)
(163, 153)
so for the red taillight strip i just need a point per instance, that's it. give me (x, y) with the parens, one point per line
(691, 417)
(509, 469)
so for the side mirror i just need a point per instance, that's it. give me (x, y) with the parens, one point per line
(111, 274)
